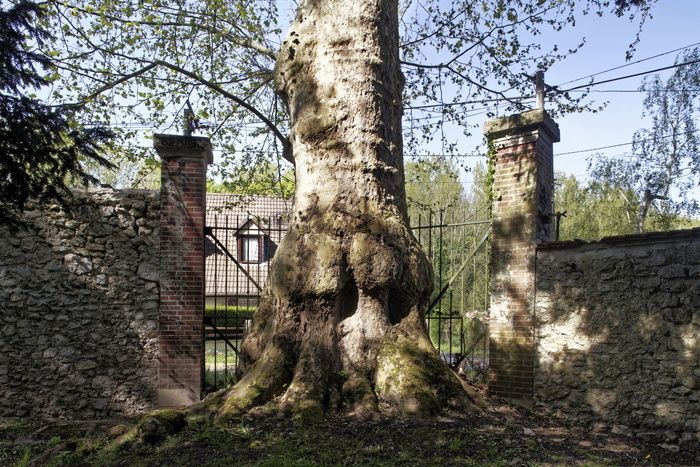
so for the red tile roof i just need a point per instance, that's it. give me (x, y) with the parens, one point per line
(226, 214)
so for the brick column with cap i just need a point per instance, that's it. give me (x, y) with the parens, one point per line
(181, 335)
(522, 217)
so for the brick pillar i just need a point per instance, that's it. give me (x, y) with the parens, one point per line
(523, 190)
(181, 335)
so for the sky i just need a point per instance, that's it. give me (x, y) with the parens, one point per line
(674, 25)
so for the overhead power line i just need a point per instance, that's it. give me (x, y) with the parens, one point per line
(619, 144)
(478, 101)
(597, 83)
(630, 63)
(638, 91)
(575, 88)
(593, 149)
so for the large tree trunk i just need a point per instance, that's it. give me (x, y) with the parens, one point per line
(341, 322)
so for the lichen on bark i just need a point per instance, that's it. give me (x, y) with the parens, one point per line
(341, 323)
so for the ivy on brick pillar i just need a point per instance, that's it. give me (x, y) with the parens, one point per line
(181, 334)
(522, 217)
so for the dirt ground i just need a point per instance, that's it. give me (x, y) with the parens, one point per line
(503, 435)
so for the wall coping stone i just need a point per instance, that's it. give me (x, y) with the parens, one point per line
(519, 123)
(115, 191)
(183, 147)
(631, 239)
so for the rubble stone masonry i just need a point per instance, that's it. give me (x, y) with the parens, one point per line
(617, 334)
(79, 307)
(101, 304)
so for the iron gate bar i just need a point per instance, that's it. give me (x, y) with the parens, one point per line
(461, 268)
(481, 338)
(472, 347)
(209, 231)
(429, 226)
(210, 322)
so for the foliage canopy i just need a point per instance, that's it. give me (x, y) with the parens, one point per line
(135, 64)
(598, 209)
(41, 147)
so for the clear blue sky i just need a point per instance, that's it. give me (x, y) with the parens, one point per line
(674, 25)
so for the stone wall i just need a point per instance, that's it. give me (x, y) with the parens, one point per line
(79, 298)
(617, 334)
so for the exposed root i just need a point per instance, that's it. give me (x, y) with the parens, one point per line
(409, 379)
(266, 379)
(360, 396)
(151, 429)
(412, 379)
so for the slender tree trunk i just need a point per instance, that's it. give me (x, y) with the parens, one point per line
(643, 211)
(341, 323)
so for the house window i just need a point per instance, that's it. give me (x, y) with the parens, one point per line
(249, 249)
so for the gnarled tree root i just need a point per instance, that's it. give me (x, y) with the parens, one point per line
(408, 379)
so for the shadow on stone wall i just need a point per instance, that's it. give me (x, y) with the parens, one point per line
(79, 299)
(617, 329)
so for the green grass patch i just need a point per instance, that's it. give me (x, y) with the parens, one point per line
(220, 358)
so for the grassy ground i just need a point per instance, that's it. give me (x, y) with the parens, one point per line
(502, 436)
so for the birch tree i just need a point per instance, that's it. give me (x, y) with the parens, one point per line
(664, 167)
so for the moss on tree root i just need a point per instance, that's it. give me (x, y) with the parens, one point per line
(413, 380)
(409, 379)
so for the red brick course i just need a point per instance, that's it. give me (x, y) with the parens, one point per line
(523, 188)
(181, 339)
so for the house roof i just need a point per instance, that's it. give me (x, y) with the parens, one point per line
(264, 210)
(226, 215)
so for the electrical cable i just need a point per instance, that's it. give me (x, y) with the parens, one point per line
(480, 101)
(630, 63)
(637, 90)
(621, 144)
(677, 65)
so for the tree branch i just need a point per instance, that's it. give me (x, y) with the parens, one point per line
(464, 77)
(243, 42)
(286, 148)
(286, 152)
(115, 83)
(151, 64)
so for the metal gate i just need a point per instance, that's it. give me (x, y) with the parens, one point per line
(238, 250)
(457, 317)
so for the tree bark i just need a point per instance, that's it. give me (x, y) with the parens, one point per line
(341, 322)
(643, 210)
